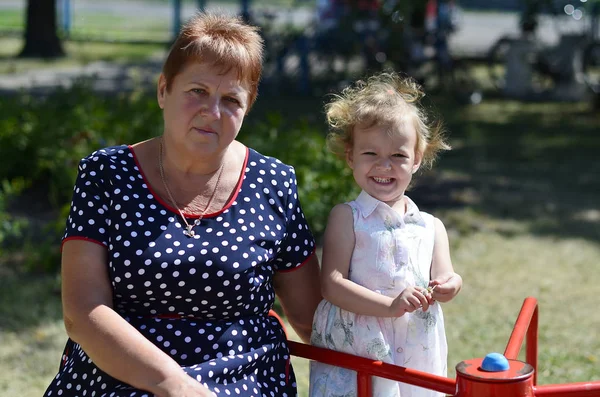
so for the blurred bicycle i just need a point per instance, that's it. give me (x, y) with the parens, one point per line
(417, 44)
(350, 38)
(523, 65)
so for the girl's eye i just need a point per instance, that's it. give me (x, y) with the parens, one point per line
(399, 155)
(369, 153)
(198, 90)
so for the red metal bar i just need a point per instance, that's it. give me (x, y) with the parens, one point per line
(363, 381)
(470, 385)
(531, 354)
(582, 389)
(527, 323)
(374, 368)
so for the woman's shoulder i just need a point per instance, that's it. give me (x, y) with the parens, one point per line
(110, 153)
(107, 161)
(268, 165)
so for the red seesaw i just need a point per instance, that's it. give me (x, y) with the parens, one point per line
(479, 377)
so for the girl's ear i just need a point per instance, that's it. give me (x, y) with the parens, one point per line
(417, 163)
(349, 157)
(161, 91)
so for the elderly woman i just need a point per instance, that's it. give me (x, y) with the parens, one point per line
(175, 247)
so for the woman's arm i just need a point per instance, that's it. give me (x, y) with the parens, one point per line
(299, 293)
(338, 246)
(447, 283)
(113, 344)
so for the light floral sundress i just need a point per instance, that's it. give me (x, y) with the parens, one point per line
(391, 253)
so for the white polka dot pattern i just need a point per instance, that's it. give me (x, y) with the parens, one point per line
(202, 300)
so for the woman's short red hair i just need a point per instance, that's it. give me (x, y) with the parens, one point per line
(224, 41)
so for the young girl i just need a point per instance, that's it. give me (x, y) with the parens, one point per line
(386, 265)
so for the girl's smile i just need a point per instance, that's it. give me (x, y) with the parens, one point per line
(384, 181)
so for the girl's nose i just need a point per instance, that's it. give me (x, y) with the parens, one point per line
(384, 164)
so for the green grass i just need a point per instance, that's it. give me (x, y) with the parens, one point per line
(113, 26)
(519, 196)
(12, 19)
(93, 37)
(100, 25)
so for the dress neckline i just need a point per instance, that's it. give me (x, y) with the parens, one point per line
(173, 210)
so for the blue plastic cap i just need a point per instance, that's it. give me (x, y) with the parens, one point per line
(495, 362)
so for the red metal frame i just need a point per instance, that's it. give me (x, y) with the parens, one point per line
(520, 380)
(366, 368)
(526, 324)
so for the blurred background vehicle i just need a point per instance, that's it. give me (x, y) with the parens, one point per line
(527, 66)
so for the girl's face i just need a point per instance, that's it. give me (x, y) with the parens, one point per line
(204, 108)
(383, 163)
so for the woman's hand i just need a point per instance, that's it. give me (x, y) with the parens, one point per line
(411, 299)
(182, 385)
(446, 287)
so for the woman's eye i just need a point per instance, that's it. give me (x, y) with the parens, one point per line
(198, 90)
(232, 100)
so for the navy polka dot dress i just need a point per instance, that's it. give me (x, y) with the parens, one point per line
(204, 300)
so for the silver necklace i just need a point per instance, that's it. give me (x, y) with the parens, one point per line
(188, 231)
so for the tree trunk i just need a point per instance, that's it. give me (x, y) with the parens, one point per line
(41, 38)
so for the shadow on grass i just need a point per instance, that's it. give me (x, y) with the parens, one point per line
(532, 163)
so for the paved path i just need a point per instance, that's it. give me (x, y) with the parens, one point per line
(103, 77)
(477, 33)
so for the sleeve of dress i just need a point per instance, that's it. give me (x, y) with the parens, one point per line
(89, 214)
(298, 243)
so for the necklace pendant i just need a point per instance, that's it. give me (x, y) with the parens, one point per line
(188, 231)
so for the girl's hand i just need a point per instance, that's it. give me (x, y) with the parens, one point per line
(445, 287)
(411, 299)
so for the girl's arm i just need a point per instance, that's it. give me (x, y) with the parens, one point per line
(447, 283)
(112, 343)
(338, 246)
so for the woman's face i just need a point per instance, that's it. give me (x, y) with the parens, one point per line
(204, 109)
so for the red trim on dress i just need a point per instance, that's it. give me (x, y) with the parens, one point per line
(287, 371)
(173, 210)
(64, 360)
(91, 240)
(299, 266)
(273, 313)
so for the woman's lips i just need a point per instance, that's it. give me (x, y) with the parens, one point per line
(204, 130)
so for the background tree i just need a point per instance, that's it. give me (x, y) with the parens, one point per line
(41, 37)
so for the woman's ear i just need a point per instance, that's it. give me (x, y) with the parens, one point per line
(161, 90)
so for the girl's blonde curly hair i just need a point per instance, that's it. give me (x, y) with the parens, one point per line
(386, 99)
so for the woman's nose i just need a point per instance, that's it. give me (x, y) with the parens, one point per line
(211, 108)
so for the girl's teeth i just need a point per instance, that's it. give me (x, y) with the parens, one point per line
(382, 180)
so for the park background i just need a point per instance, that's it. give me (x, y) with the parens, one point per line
(519, 193)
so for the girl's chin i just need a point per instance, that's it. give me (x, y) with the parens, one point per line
(386, 197)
